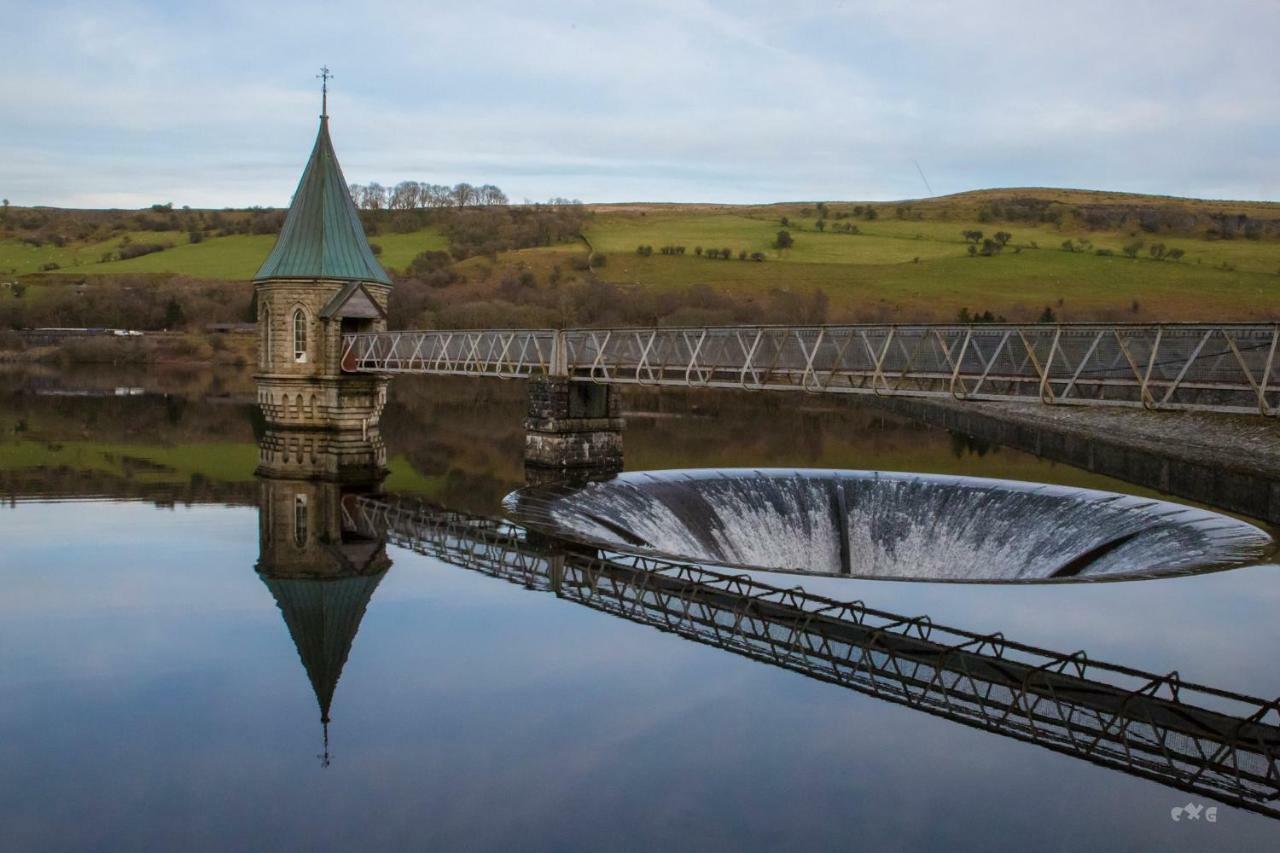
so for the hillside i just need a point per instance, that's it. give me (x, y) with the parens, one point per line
(1023, 254)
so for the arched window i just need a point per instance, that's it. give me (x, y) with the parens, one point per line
(267, 339)
(300, 521)
(300, 336)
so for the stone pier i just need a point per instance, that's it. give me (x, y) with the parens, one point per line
(574, 430)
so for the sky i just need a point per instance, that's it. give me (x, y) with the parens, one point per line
(214, 104)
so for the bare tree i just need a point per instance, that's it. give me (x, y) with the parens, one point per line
(375, 196)
(404, 196)
(489, 194)
(464, 194)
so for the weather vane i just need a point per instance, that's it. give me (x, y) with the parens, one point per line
(324, 77)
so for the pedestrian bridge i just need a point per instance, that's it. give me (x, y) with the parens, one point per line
(1202, 367)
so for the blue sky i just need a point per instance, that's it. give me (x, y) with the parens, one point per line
(215, 103)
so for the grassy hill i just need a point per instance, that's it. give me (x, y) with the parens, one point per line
(1083, 255)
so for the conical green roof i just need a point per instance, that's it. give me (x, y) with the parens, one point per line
(322, 236)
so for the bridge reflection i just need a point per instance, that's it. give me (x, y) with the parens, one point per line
(1192, 737)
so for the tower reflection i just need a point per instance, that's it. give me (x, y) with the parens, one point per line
(321, 569)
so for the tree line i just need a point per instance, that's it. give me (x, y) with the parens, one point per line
(414, 195)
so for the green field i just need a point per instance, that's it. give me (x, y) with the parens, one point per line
(909, 263)
(235, 257)
(895, 270)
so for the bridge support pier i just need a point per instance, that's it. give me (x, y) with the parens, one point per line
(573, 431)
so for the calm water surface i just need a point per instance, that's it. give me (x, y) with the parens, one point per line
(162, 673)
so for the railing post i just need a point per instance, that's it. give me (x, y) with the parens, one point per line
(559, 355)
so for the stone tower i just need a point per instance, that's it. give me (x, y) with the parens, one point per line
(321, 281)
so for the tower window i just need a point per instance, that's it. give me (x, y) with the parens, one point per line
(300, 336)
(300, 521)
(265, 360)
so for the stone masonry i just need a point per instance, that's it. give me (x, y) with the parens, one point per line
(575, 427)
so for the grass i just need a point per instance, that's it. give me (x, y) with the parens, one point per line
(235, 257)
(1017, 286)
(894, 270)
(223, 462)
(921, 270)
(399, 249)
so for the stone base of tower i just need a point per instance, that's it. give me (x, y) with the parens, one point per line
(574, 430)
(347, 402)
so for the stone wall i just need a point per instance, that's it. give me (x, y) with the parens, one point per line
(573, 425)
(344, 455)
(301, 533)
(350, 402)
(277, 301)
(313, 393)
(1169, 468)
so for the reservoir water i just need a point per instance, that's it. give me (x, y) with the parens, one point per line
(194, 657)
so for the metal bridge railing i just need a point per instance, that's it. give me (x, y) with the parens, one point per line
(1195, 738)
(1221, 368)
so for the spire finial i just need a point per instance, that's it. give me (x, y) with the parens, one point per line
(324, 758)
(324, 77)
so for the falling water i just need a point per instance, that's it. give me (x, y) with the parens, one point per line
(878, 524)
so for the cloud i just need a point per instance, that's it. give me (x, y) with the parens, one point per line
(665, 101)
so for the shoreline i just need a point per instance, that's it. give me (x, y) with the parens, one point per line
(1231, 462)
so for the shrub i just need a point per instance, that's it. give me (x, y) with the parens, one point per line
(985, 317)
(173, 314)
(137, 250)
(1131, 249)
(783, 240)
(597, 259)
(435, 269)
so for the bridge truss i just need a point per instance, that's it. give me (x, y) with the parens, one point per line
(1194, 738)
(1219, 368)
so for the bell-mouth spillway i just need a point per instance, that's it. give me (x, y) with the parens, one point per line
(888, 525)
